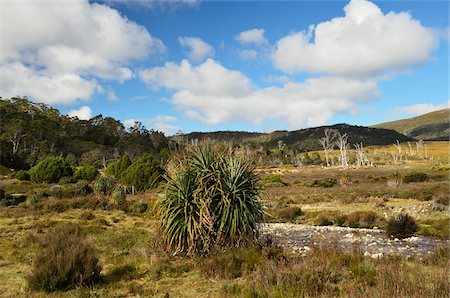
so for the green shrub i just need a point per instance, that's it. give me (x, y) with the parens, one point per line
(139, 207)
(231, 263)
(143, 174)
(289, 213)
(32, 200)
(363, 219)
(323, 220)
(415, 177)
(119, 167)
(50, 170)
(402, 226)
(118, 197)
(104, 185)
(326, 182)
(23, 175)
(211, 199)
(81, 188)
(87, 173)
(273, 180)
(66, 261)
(66, 180)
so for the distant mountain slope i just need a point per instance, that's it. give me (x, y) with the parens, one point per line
(430, 126)
(306, 139)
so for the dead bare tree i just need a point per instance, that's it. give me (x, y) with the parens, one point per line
(419, 146)
(400, 152)
(328, 142)
(342, 143)
(411, 151)
(361, 157)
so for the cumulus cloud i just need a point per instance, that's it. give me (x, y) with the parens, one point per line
(363, 42)
(83, 113)
(209, 78)
(253, 36)
(213, 94)
(418, 109)
(79, 40)
(17, 79)
(248, 54)
(198, 49)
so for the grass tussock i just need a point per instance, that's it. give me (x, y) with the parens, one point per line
(65, 261)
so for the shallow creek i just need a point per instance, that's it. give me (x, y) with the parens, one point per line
(371, 242)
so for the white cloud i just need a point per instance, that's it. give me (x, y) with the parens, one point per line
(198, 49)
(418, 109)
(213, 94)
(163, 118)
(111, 95)
(83, 113)
(17, 79)
(364, 42)
(81, 40)
(248, 54)
(167, 129)
(209, 78)
(253, 36)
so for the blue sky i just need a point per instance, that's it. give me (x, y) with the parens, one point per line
(229, 65)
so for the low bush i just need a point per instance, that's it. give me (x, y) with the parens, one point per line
(143, 174)
(273, 180)
(66, 180)
(231, 263)
(118, 197)
(104, 185)
(119, 167)
(289, 213)
(323, 220)
(362, 219)
(402, 226)
(415, 177)
(50, 170)
(88, 173)
(65, 261)
(23, 175)
(326, 182)
(81, 188)
(139, 207)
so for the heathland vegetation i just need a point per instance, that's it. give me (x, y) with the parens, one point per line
(88, 208)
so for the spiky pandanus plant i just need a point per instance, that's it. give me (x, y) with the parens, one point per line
(210, 200)
(238, 209)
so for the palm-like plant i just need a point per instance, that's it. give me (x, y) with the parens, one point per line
(209, 200)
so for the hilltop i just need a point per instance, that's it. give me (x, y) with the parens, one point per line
(430, 126)
(305, 139)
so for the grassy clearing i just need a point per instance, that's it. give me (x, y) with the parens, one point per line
(135, 263)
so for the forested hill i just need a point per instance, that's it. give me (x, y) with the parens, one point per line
(305, 139)
(30, 131)
(430, 126)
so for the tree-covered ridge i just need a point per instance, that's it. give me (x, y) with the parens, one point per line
(30, 131)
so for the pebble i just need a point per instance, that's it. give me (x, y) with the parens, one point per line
(377, 256)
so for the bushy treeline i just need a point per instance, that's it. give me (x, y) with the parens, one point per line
(144, 173)
(30, 132)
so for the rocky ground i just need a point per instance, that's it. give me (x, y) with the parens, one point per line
(372, 243)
